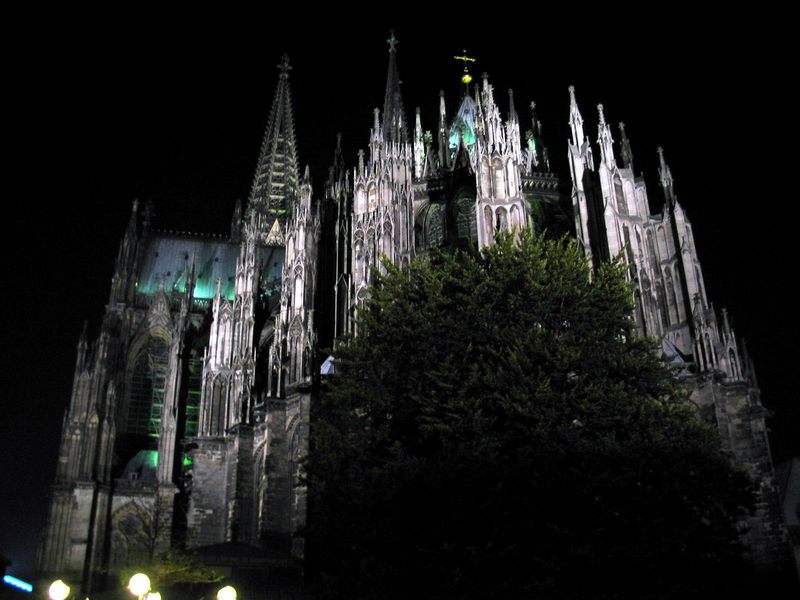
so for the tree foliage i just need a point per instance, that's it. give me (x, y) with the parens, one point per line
(171, 568)
(496, 429)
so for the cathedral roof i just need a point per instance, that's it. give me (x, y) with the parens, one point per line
(463, 125)
(168, 258)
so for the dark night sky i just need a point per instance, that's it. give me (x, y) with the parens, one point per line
(177, 114)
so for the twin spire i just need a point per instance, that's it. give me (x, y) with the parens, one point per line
(276, 183)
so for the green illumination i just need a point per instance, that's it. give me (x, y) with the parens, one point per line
(151, 458)
(187, 461)
(461, 130)
(463, 127)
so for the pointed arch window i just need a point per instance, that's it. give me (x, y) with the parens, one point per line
(651, 251)
(146, 398)
(466, 227)
(373, 197)
(499, 179)
(622, 204)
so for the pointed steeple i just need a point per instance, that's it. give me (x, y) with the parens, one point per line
(665, 175)
(444, 149)
(83, 349)
(419, 146)
(512, 111)
(394, 122)
(535, 142)
(625, 148)
(605, 140)
(275, 184)
(575, 119)
(236, 221)
(338, 172)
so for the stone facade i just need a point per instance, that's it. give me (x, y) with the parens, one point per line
(189, 416)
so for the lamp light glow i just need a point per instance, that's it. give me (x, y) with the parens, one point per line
(139, 584)
(227, 593)
(58, 590)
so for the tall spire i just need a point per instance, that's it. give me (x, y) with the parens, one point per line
(535, 142)
(604, 139)
(575, 119)
(444, 149)
(394, 122)
(665, 175)
(275, 184)
(512, 111)
(625, 148)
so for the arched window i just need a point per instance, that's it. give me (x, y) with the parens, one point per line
(488, 223)
(361, 200)
(486, 177)
(661, 298)
(672, 300)
(373, 197)
(734, 364)
(434, 226)
(662, 243)
(622, 205)
(502, 219)
(516, 222)
(499, 179)
(298, 288)
(146, 398)
(388, 242)
(700, 289)
(511, 172)
(651, 250)
(626, 234)
(465, 218)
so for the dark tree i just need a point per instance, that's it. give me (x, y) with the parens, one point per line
(497, 430)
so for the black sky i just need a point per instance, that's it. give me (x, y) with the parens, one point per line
(176, 114)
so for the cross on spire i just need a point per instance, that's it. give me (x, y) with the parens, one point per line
(392, 41)
(466, 77)
(284, 66)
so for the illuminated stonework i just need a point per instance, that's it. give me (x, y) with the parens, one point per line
(190, 409)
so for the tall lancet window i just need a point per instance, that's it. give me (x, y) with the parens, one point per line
(146, 398)
(622, 204)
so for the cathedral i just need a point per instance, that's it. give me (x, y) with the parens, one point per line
(189, 415)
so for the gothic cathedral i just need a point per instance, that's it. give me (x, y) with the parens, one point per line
(189, 414)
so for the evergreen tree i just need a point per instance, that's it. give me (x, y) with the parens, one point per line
(497, 429)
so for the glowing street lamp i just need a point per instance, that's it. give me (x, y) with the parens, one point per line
(139, 585)
(227, 593)
(58, 590)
